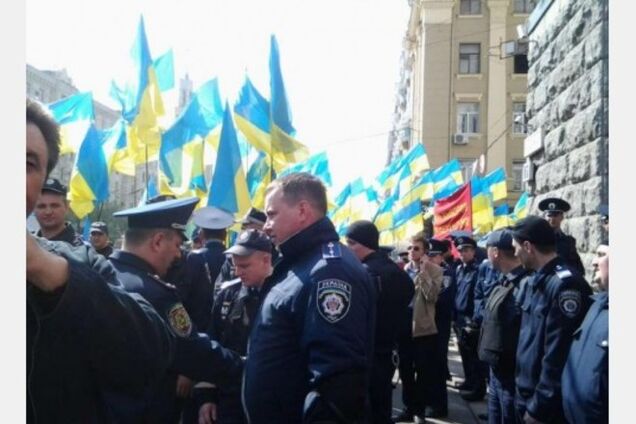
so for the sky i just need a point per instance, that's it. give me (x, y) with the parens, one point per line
(340, 59)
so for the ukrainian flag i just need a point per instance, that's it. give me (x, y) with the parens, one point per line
(115, 144)
(149, 192)
(228, 189)
(502, 218)
(259, 176)
(483, 214)
(89, 179)
(74, 114)
(317, 165)
(141, 102)
(384, 178)
(182, 145)
(521, 208)
(496, 182)
(164, 69)
(447, 173)
(383, 220)
(284, 147)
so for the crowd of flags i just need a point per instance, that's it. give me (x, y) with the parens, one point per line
(249, 144)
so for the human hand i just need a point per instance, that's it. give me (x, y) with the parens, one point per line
(184, 386)
(45, 270)
(207, 413)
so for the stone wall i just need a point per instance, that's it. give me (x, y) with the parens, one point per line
(568, 98)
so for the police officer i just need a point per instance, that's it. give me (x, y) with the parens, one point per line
(465, 329)
(151, 244)
(254, 218)
(585, 377)
(553, 306)
(554, 209)
(234, 312)
(99, 238)
(395, 292)
(214, 223)
(50, 212)
(501, 318)
(310, 350)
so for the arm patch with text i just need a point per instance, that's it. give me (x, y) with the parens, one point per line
(333, 298)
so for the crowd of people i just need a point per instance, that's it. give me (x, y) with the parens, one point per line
(289, 325)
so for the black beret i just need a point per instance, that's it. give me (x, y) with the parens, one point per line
(534, 229)
(365, 233)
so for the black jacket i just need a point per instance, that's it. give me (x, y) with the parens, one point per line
(89, 343)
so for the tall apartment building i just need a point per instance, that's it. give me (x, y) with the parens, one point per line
(465, 100)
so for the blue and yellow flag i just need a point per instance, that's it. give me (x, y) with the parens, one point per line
(89, 180)
(317, 165)
(74, 114)
(502, 217)
(251, 113)
(149, 192)
(115, 144)
(141, 102)
(181, 156)
(164, 69)
(482, 205)
(259, 176)
(285, 148)
(521, 208)
(228, 189)
(383, 220)
(496, 182)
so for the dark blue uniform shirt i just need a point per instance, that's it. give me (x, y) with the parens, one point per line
(312, 342)
(585, 378)
(487, 279)
(466, 277)
(554, 304)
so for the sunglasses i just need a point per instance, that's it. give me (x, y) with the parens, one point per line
(415, 248)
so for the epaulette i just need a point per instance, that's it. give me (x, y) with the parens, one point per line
(331, 250)
(156, 278)
(562, 273)
(229, 283)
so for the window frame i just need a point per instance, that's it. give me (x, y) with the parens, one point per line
(470, 118)
(517, 170)
(515, 126)
(470, 3)
(469, 59)
(527, 6)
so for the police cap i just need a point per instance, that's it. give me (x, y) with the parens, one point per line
(53, 185)
(436, 247)
(212, 218)
(250, 241)
(463, 241)
(552, 205)
(534, 229)
(501, 239)
(99, 227)
(254, 216)
(167, 214)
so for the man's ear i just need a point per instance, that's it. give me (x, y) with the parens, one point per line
(156, 240)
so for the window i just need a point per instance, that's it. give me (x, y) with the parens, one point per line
(521, 64)
(467, 118)
(469, 58)
(524, 6)
(468, 165)
(519, 118)
(470, 7)
(517, 175)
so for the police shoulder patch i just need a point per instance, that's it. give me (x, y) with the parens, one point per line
(179, 320)
(333, 298)
(331, 250)
(570, 303)
(563, 273)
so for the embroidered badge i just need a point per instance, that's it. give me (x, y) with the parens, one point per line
(179, 320)
(446, 282)
(225, 308)
(570, 303)
(333, 299)
(331, 250)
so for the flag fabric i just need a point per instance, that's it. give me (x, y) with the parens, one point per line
(259, 176)
(496, 182)
(89, 179)
(383, 221)
(482, 205)
(181, 155)
(317, 165)
(74, 114)
(386, 179)
(502, 218)
(448, 173)
(353, 203)
(521, 208)
(453, 213)
(86, 227)
(284, 146)
(228, 189)
(141, 102)
(149, 192)
(115, 145)
(164, 69)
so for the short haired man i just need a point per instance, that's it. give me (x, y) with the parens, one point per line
(50, 212)
(395, 292)
(309, 354)
(553, 306)
(585, 378)
(234, 312)
(152, 244)
(100, 240)
(86, 337)
(500, 326)
(467, 332)
(554, 210)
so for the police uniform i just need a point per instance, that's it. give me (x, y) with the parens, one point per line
(310, 350)
(585, 378)
(102, 227)
(499, 333)
(553, 306)
(565, 244)
(196, 356)
(68, 234)
(466, 277)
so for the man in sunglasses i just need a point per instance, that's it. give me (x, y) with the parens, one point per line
(554, 210)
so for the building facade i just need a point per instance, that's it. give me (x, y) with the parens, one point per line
(465, 100)
(567, 109)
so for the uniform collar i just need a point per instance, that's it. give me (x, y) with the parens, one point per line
(516, 274)
(602, 298)
(321, 231)
(132, 260)
(546, 270)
